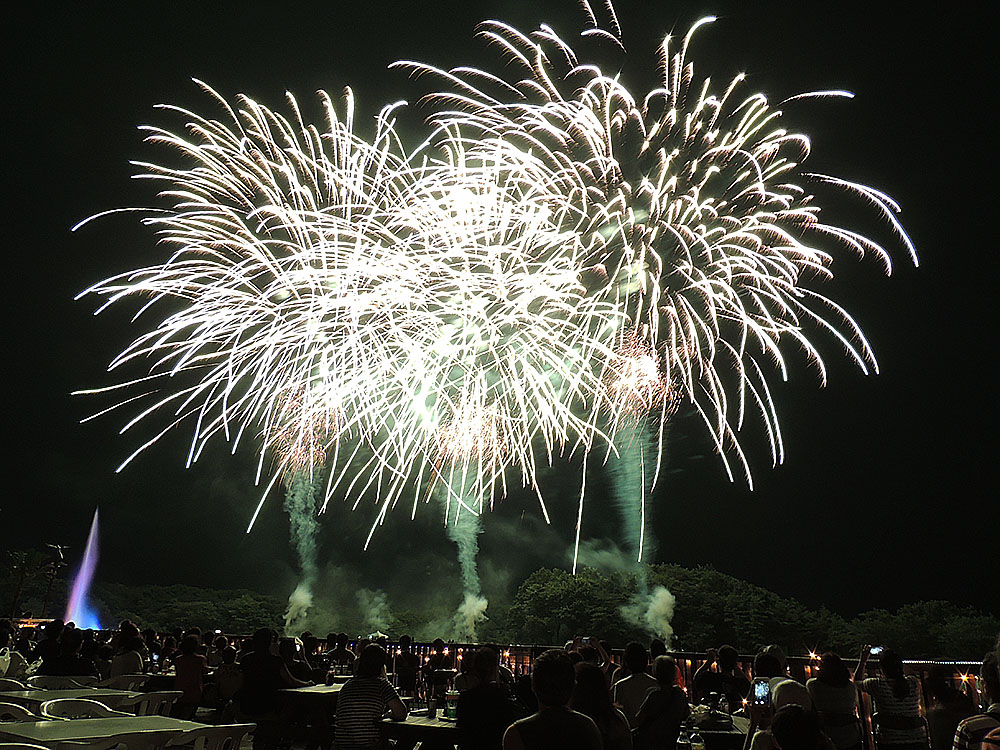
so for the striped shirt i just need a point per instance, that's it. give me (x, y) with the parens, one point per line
(888, 705)
(361, 703)
(971, 731)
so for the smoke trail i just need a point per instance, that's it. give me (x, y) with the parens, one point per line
(632, 479)
(300, 504)
(463, 527)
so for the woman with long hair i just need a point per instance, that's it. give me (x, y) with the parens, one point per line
(899, 725)
(592, 697)
(835, 700)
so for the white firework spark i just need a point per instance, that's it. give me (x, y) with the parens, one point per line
(557, 260)
(696, 216)
(335, 294)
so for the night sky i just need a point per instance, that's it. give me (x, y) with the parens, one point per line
(881, 498)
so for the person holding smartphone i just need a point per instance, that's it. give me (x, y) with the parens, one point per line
(897, 700)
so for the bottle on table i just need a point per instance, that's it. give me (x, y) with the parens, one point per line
(451, 704)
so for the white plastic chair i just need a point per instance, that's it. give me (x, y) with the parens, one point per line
(7, 685)
(221, 737)
(157, 703)
(58, 682)
(14, 712)
(76, 708)
(123, 682)
(152, 740)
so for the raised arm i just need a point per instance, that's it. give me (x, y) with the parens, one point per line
(710, 658)
(859, 673)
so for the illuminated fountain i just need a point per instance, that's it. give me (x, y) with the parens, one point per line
(78, 609)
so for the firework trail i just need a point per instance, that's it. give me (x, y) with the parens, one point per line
(559, 261)
(631, 477)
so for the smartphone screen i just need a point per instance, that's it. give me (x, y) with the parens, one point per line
(761, 693)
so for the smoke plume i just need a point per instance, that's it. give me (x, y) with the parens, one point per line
(463, 528)
(300, 504)
(375, 612)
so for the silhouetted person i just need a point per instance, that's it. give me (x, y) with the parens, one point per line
(190, 670)
(554, 726)
(264, 674)
(974, 729)
(592, 698)
(795, 728)
(437, 670)
(484, 711)
(341, 658)
(407, 666)
(947, 705)
(69, 663)
(729, 681)
(48, 647)
(663, 711)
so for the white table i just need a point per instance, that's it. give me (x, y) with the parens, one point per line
(314, 697)
(77, 730)
(32, 699)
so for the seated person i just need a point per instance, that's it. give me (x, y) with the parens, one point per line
(16, 665)
(665, 708)
(228, 677)
(835, 700)
(364, 700)
(554, 725)
(128, 660)
(947, 705)
(484, 711)
(973, 731)
(437, 670)
(729, 681)
(289, 649)
(629, 693)
(190, 670)
(69, 663)
(340, 658)
(592, 698)
(795, 728)
(264, 674)
(406, 667)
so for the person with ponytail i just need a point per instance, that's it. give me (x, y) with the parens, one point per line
(897, 701)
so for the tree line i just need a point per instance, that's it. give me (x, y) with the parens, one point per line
(551, 606)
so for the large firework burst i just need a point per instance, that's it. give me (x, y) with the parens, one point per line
(557, 260)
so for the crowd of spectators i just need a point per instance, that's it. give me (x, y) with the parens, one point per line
(575, 697)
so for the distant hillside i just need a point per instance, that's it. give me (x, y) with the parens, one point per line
(712, 608)
(551, 606)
